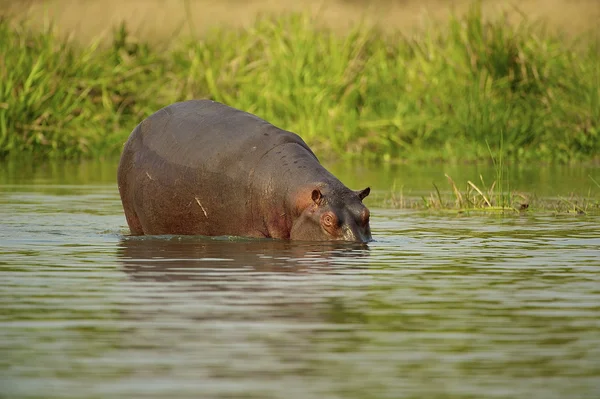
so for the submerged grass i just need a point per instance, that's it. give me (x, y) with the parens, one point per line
(443, 95)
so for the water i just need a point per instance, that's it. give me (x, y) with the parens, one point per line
(439, 306)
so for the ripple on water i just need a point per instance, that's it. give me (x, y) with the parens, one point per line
(437, 306)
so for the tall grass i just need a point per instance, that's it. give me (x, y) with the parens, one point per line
(443, 95)
(60, 100)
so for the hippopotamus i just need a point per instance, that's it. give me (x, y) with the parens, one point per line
(200, 167)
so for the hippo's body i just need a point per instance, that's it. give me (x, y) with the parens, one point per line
(202, 168)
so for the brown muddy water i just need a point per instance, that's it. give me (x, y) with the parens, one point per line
(438, 306)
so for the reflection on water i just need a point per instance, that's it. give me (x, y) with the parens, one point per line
(183, 258)
(435, 307)
(415, 179)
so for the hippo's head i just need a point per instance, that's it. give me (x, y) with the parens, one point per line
(331, 214)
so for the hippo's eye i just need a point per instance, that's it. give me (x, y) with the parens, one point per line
(328, 220)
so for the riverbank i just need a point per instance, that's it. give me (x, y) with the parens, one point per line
(457, 92)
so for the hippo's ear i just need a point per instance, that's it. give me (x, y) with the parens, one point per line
(317, 197)
(307, 197)
(362, 194)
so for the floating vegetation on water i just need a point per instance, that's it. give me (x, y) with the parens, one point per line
(364, 94)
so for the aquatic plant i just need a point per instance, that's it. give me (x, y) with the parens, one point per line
(479, 198)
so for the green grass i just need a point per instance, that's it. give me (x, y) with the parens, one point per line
(443, 95)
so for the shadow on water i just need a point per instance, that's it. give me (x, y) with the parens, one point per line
(176, 258)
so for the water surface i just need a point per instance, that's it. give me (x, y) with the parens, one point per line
(438, 306)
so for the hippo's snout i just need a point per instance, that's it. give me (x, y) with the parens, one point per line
(357, 234)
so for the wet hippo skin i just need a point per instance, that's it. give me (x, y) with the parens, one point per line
(203, 168)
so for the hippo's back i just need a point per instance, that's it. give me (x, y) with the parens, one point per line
(201, 167)
(211, 135)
